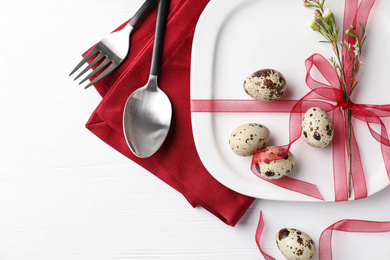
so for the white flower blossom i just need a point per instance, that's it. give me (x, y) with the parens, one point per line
(346, 45)
(356, 50)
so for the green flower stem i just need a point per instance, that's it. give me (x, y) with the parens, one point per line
(349, 135)
(328, 29)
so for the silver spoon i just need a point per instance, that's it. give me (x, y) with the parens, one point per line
(148, 111)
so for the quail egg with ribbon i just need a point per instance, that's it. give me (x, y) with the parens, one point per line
(276, 169)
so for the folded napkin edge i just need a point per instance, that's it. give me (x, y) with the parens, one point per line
(109, 135)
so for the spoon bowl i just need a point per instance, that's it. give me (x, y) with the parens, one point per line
(146, 119)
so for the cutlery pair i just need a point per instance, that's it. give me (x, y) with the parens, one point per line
(148, 111)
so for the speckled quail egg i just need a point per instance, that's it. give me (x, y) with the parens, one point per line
(317, 128)
(278, 168)
(295, 244)
(247, 139)
(265, 85)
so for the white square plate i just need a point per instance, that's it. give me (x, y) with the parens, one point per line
(234, 38)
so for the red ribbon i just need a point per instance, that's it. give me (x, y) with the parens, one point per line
(325, 244)
(348, 225)
(330, 98)
(259, 232)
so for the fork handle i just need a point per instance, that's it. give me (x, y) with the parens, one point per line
(159, 35)
(137, 17)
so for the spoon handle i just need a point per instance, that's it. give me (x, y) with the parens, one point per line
(161, 22)
(137, 17)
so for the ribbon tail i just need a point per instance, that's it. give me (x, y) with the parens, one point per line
(350, 9)
(358, 178)
(385, 148)
(365, 114)
(325, 244)
(386, 158)
(347, 225)
(339, 157)
(363, 12)
(299, 186)
(259, 232)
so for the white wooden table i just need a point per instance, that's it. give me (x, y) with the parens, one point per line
(64, 194)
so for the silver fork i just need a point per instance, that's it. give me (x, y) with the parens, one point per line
(111, 50)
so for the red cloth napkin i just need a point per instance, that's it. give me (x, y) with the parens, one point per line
(176, 162)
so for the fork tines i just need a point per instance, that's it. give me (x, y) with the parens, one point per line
(100, 58)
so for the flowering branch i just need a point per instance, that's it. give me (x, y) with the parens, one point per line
(348, 58)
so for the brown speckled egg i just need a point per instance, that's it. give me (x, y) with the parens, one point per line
(295, 244)
(278, 168)
(247, 139)
(265, 85)
(317, 128)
